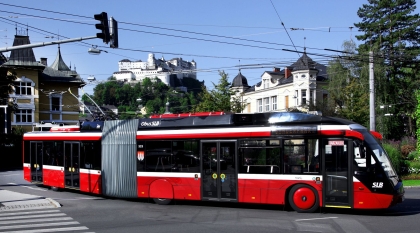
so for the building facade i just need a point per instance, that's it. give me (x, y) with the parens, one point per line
(41, 91)
(297, 86)
(170, 72)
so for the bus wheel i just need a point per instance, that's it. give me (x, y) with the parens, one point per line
(303, 199)
(162, 201)
(54, 188)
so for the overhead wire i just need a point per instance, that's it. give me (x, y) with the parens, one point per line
(206, 34)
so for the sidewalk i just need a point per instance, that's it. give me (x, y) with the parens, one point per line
(13, 201)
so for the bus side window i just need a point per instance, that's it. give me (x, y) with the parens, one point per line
(313, 155)
(359, 157)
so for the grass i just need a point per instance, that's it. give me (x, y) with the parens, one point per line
(411, 182)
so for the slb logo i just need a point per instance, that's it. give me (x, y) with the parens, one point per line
(378, 185)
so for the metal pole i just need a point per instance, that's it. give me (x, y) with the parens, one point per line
(372, 92)
(6, 49)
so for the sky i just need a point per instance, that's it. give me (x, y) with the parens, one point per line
(252, 36)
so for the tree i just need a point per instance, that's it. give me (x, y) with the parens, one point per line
(390, 30)
(348, 86)
(221, 98)
(6, 85)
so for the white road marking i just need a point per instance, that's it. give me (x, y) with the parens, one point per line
(51, 230)
(30, 216)
(77, 199)
(310, 219)
(33, 212)
(29, 187)
(39, 225)
(36, 220)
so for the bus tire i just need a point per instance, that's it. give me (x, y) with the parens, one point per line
(162, 201)
(303, 199)
(54, 188)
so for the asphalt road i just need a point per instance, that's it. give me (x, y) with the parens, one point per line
(90, 213)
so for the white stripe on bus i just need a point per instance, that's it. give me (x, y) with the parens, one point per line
(204, 131)
(168, 174)
(89, 171)
(57, 168)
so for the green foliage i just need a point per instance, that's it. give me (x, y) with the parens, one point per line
(6, 85)
(417, 117)
(390, 30)
(414, 156)
(414, 167)
(151, 94)
(221, 98)
(348, 87)
(18, 131)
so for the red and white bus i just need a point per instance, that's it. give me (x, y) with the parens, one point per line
(302, 160)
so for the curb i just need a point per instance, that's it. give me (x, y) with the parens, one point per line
(53, 202)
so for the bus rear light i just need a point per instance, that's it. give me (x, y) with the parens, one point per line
(377, 135)
(346, 133)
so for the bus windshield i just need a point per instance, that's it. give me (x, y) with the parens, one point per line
(380, 154)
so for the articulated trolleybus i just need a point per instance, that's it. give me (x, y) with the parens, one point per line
(302, 160)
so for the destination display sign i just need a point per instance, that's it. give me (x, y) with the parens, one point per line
(294, 130)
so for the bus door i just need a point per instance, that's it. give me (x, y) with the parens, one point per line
(337, 179)
(36, 158)
(72, 164)
(218, 174)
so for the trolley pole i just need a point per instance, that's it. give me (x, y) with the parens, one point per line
(372, 92)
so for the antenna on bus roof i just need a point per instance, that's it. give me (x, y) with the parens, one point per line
(81, 102)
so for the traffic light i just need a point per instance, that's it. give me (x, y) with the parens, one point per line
(103, 26)
(113, 29)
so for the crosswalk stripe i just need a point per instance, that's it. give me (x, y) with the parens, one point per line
(36, 220)
(39, 225)
(37, 216)
(50, 230)
(33, 212)
(32, 208)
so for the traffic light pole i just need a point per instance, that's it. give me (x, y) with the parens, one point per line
(6, 49)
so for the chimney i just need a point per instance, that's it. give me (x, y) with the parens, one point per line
(276, 69)
(44, 61)
(287, 72)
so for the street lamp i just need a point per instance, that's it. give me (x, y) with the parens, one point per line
(95, 51)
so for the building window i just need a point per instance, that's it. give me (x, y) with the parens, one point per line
(265, 81)
(266, 104)
(55, 104)
(23, 88)
(23, 116)
(274, 102)
(259, 105)
(303, 97)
